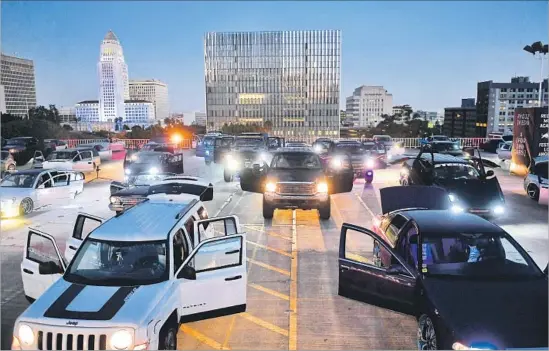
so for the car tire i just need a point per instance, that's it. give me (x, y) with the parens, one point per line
(26, 206)
(405, 182)
(324, 211)
(533, 192)
(11, 167)
(426, 333)
(268, 210)
(167, 340)
(29, 299)
(228, 177)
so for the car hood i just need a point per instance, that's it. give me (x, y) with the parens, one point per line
(474, 192)
(295, 175)
(136, 190)
(505, 314)
(91, 305)
(137, 168)
(18, 193)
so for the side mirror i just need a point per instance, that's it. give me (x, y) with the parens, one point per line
(49, 267)
(396, 269)
(187, 272)
(41, 186)
(489, 173)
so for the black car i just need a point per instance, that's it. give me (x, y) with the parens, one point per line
(491, 145)
(296, 178)
(468, 282)
(471, 188)
(246, 150)
(23, 148)
(153, 162)
(363, 158)
(446, 147)
(134, 189)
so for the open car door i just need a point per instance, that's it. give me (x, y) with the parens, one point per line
(175, 164)
(37, 159)
(252, 179)
(216, 264)
(42, 264)
(215, 228)
(84, 225)
(363, 275)
(340, 174)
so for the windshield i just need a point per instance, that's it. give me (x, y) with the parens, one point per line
(248, 142)
(62, 155)
(16, 141)
(149, 158)
(5, 155)
(474, 255)
(383, 138)
(296, 160)
(208, 141)
(445, 146)
(145, 179)
(455, 171)
(18, 180)
(440, 138)
(119, 263)
(354, 149)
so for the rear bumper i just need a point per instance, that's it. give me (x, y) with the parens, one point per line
(305, 202)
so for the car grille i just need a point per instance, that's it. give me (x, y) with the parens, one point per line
(296, 188)
(131, 200)
(64, 341)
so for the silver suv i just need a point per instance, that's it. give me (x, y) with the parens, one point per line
(536, 178)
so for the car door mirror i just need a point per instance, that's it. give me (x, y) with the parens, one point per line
(41, 186)
(187, 272)
(396, 269)
(489, 173)
(49, 267)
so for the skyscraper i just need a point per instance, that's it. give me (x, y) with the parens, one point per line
(113, 79)
(17, 78)
(154, 91)
(368, 104)
(289, 78)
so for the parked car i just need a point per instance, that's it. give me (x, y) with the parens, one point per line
(51, 145)
(103, 149)
(491, 145)
(8, 162)
(82, 160)
(536, 177)
(505, 150)
(22, 148)
(26, 191)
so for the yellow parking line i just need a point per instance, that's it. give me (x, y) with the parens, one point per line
(264, 324)
(269, 248)
(202, 338)
(270, 234)
(269, 291)
(268, 266)
(292, 339)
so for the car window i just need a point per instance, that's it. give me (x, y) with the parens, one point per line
(541, 170)
(41, 249)
(180, 250)
(189, 227)
(296, 160)
(45, 180)
(393, 229)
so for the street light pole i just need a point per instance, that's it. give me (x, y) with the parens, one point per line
(540, 90)
(538, 48)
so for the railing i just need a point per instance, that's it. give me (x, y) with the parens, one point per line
(410, 143)
(126, 143)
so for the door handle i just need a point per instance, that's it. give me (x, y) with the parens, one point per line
(232, 252)
(233, 278)
(27, 271)
(89, 163)
(72, 247)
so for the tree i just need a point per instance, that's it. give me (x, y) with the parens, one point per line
(42, 113)
(416, 115)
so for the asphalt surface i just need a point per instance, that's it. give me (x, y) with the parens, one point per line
(292, 265)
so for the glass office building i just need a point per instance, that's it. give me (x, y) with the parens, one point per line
(288, 78)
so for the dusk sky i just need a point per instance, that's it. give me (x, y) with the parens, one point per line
(427, 54)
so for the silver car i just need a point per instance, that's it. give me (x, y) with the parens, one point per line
(536, 178)
(8, 163)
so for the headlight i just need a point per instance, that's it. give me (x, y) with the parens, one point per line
(153, 170)
(318, 149)
(134, 158)
(370, 163)
(128, 171)
(229, 157)
(207, 152)
(115, 200)
(499, 210)
(26, 335)
(457, 209)
(482, 346)
(452, 197)
(121, 340)
(389, 156)
(8, 202)
(337, 163)
(322, 187)
(12, 151)
(270, 187)
(404, 172)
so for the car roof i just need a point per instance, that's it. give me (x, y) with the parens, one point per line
(435, 223)
(295, 150)
(32, 171)
(150, 220)
(442, 158)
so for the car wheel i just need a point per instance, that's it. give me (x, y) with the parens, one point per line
(26, 206)
(168, 337)
(426, 334)
(228, 177)
(404, 182)
(11, 167)
(324, 211)
(533, 192)
(268, 210)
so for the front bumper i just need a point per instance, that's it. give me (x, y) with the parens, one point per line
(9, 209)
(304, 202)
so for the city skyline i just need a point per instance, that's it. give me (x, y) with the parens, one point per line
(413, 49)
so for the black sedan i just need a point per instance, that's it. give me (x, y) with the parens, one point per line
(468, 282)
(447, 147)
(471, 188)
(153, 162)
(134, 189)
